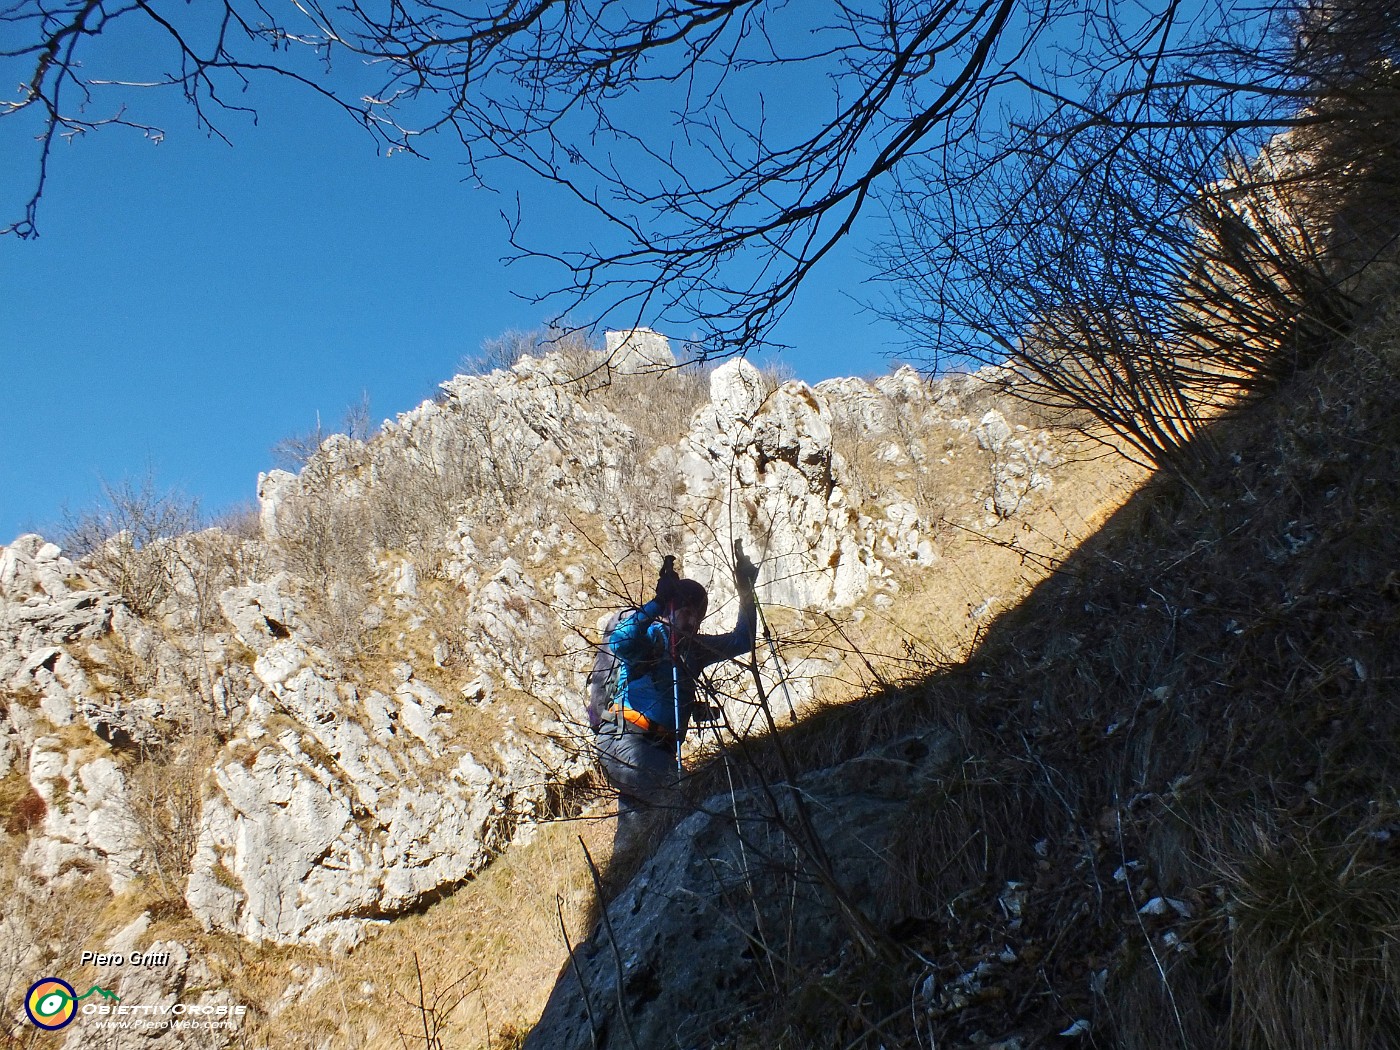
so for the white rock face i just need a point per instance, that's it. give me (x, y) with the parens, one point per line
(273, 488)
(328, 814)
(295, 848)
(638, 350)
(330, 808)
(47, 605)
(760, 469)
(528, 428)
(259, 613)
(88, 816)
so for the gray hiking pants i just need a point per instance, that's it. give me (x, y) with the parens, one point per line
(643, 771)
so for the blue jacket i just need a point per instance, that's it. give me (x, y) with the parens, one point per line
(642, 645)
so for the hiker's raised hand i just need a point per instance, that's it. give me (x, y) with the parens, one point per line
(745, 571)
(668, 583)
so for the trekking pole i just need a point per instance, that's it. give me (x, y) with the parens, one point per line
(739, 559)
(668, 564)
(676, 692)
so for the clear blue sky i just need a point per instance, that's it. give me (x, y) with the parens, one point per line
(188, 304)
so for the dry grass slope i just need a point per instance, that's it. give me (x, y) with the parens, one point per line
(1177, 819)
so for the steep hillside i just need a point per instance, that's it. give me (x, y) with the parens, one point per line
(1155, 807)
(330, 762)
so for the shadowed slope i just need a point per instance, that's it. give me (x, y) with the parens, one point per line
(1171, 813)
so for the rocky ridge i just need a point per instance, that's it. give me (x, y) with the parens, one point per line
(333, 798)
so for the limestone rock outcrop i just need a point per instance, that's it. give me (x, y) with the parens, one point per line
(638, 351)
(80, 811)
(336, 806)
(759, 467)
(681, 949)
(384, 671)
(87, 813)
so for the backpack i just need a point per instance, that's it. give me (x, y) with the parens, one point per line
(601, 682)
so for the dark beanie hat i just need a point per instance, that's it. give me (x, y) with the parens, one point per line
(691, 595)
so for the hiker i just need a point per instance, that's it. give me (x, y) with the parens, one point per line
(660, 654)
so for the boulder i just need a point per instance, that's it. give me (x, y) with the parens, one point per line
(682, 947)
(638, 350)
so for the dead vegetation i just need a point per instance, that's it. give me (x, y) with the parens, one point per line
(475, 966)
(1182, 699)
(1174, 823)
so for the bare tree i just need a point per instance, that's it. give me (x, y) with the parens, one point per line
(129, 538)
(712, 226)
(296, 450)
(1152, 252)
(1121, 122)
(504, 351)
